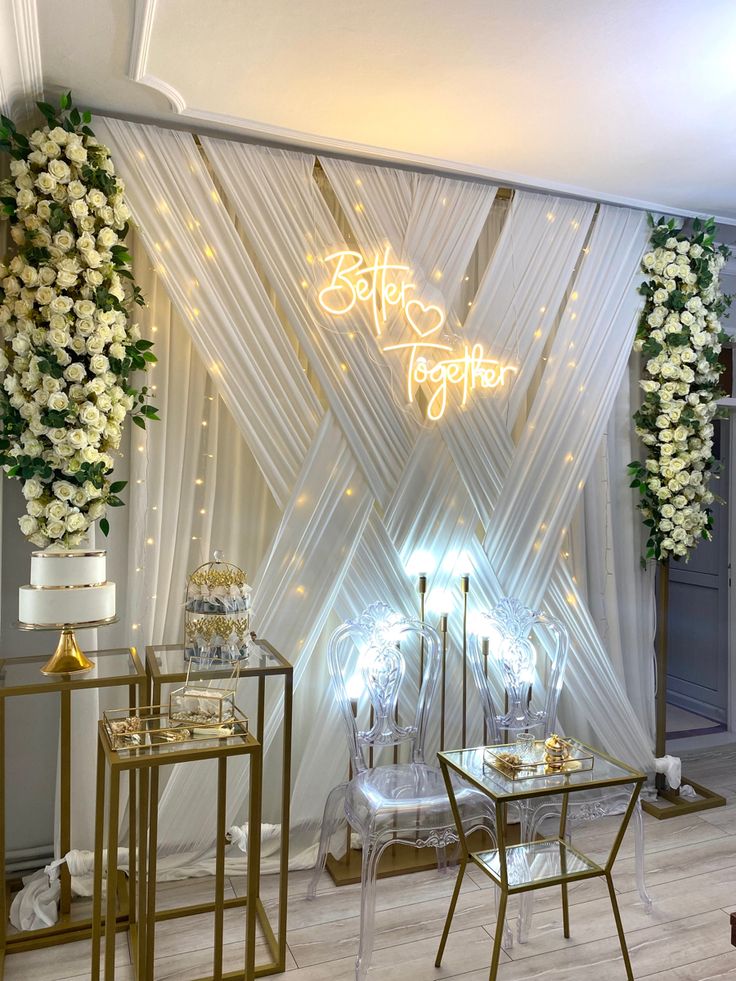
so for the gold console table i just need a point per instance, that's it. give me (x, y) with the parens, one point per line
(22, 676)
(166, 665)
(142, 761)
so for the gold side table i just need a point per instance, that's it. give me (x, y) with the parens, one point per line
(120, 668)
(543, 862)
(167, 665)
(142, 762)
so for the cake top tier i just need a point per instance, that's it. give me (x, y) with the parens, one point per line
(68, 569)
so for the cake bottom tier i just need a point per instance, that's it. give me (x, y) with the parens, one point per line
(73, 605)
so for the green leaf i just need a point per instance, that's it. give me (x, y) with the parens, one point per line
(104, 526)
(87, 116)
(118, 486)
(139, 422)
(66, 100)
(151, 358)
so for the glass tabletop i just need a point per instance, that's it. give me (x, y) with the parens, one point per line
(22, 675)
(606, 771)
(167, 662)
(537, 862)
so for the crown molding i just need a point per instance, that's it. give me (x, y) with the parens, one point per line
(230, 126)
(144, 16)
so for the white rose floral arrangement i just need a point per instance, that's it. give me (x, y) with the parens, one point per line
(68, 348)
(680, 338)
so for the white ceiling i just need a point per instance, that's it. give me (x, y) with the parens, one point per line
(631, 100)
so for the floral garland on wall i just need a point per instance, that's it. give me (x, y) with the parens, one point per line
(680, 336)
(68, 349)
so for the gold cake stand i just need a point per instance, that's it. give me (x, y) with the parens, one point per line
(68, 658)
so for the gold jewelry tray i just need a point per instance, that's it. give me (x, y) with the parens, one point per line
(155, 727)
(578, 761)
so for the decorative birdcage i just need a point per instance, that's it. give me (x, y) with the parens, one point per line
(205, 700)
(217, 612)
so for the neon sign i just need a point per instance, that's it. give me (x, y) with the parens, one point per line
(383, 285)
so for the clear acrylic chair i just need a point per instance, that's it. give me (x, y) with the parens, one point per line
(503, 645)
(400, 802)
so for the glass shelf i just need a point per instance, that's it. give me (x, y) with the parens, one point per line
(22, 675)
(538, 863)
(606, 772)
(168, 663)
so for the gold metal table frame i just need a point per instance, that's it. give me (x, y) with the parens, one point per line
(167, 665)
(567, 864)
(118, 667)
(143, 763)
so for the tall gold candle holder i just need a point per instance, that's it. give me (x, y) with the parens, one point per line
(464, 589)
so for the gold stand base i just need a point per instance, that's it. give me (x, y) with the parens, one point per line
(68, 657)
(673, 804)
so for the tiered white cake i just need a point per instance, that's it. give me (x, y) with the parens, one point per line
(67, 587)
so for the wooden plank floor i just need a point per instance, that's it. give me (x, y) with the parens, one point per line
(691, 871)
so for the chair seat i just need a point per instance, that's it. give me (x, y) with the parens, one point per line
(410, 798)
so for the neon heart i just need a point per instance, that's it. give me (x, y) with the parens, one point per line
(435, 315)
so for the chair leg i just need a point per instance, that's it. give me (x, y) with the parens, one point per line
(372, 851)
(640, 857)
(334, 812)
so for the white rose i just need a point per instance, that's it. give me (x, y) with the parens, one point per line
(93, 259)
(96, 198)
(98, 364)
(89, 414)
(78, 209)
(58, 401)
(76, 153)
(32, 489)
(106, 238)
(28, 525)
(29, 275)
(57, 509)
(84, 308)
(55, 529)
(93, 277)
(75, 372)
(63, 490)
(76, 190)
(96, 510)
(59, 170)
(121, 212)
(90, 455)
(77, 438)
(95, 344)
(76, 522)
(25, 198)
(45, 183)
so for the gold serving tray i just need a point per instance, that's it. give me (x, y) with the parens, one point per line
(501, 758)
(155, 727)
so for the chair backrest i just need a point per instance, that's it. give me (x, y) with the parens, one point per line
(377, 633)
(502, 645)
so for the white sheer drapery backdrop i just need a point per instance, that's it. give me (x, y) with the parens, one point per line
(342, 498)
